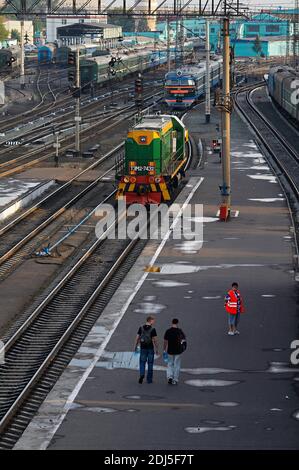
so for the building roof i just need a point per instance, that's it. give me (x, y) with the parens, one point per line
(263, 39)
(155, 122)
(267, 17)
(87, 27)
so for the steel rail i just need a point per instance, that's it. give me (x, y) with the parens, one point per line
(14, 120)
(119, 113)
(282, 142)
(288, 173)
(42, 125)
(12, 341)
(33, 233)
(61, 188)
(43, 362)
(277, 134)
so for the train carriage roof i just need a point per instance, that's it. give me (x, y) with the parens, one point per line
(154, 123)
(192, 71)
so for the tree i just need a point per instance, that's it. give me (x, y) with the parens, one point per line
(14, 34)
(125, 21)
(3, 31)
(142, 25)
(257, 46)
(38, 25)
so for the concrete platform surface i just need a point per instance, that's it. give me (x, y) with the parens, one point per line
(61, 174)
(236, 392)
(12, 188)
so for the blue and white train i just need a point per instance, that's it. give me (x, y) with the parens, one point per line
(184, 86)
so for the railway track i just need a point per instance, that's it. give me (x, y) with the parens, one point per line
(39, 350)
(285, 159)
(44, 126)
(22, 235)
(14, 165)
(42, 109)
(46, 95)
(284, 155)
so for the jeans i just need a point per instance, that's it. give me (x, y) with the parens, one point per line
(147, 356)
(173, 366)
(233, 319)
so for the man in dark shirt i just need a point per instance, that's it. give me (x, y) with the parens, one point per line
(173, 339)
(147, 339)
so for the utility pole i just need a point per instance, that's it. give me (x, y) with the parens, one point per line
(296, 34)
(168, 44)
(176, 40)
(22, 72)
(225, 125)
(207, 90)
(77, 114)
(288, 38)
(182, 40)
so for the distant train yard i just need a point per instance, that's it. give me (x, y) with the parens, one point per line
(147, 178)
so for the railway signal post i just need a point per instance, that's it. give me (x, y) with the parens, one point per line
(138, 91)
(56, 145)
(77, 113)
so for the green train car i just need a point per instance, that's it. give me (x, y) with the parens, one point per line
(85, 51)
(97, 71)
(154, 160)
(10, 58)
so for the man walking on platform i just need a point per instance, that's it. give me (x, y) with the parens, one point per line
(174, 345)
(234, 307)
(146, 339)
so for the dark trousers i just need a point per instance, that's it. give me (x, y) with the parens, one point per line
(147, 356)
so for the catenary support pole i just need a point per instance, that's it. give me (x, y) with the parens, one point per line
(207, 88)
(22, 71)
(225, 128)
(168, 44)
(77, 114)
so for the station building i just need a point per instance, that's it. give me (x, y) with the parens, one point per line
(196, 27)
(55, 21)
(106, 35)
(263, 25)
(274, 46)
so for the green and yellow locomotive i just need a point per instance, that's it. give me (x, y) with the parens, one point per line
(154, 161)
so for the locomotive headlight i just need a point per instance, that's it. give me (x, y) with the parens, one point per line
(126, 179)
(157, 180)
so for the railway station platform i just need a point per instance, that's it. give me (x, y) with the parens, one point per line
(16, 193)
(235, 392)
